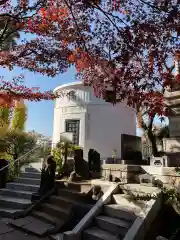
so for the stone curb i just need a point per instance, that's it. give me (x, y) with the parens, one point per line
(142, 223)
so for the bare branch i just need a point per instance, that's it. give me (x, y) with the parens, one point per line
(2, 2)
(4, 30)
(152, 6)
(77, 26)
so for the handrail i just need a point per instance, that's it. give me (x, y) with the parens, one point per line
(26, 154)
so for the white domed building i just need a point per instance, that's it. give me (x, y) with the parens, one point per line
(95, 123)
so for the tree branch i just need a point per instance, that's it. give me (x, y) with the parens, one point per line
(4, 30)
(77, 26)
(2, 2)
(152, 6)
(150, 122)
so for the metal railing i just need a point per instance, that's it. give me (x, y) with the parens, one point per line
(42, 145)
(18, 159)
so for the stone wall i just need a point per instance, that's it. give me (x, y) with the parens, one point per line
(130, 173)
(126, 173)
(168, 175)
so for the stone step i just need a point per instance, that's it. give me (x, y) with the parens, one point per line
(14, 203)
(30, 181)
(56, 211)
(32, 225)
(71, 194)
(113, 225)
(67, 202)
(20, 235)
(117, 211)
(16, 193)
(99, 234)
(5, 229)
(60, 201)
(7, 212)
(47, 218)
(125, 200)
(39, 228)
(83, 186)
(23, 187)
(31, 170)
(31, 175)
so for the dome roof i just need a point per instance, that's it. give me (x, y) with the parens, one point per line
(68, 85)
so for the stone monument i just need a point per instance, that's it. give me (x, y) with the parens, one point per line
(131, 150)
(172, 100)
(94, 161)
(81, 166)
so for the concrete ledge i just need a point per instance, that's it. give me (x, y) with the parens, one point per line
(126, 173)
(122, 167)
(143, 223)
(75, 234)
(167, 175)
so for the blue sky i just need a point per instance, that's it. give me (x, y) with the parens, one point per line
(40, 114)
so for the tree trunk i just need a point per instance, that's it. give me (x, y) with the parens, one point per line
(152, 139)
(148, 128)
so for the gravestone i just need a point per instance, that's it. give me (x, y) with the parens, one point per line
(94, 160)
(80, 165)
(131, 149)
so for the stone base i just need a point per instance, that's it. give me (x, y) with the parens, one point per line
(172, 151)
(126, 173)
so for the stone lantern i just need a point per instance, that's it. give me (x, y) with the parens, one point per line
(172, 100)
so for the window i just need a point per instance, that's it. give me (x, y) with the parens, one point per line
(73, 126)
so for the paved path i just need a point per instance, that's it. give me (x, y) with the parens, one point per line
(9, 233)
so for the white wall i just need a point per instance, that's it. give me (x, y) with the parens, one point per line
(60, 116)
(57, 125)
(105, 125)
(101, 123)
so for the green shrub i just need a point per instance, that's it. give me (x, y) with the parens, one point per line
(58, 159)
(12, 174)
(58, 152)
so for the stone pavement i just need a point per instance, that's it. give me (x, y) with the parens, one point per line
(9, 233)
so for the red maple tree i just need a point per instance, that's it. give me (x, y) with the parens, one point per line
(124, 49)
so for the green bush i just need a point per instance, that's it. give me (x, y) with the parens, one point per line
(58, 159)
(12, 174)
(57, 153)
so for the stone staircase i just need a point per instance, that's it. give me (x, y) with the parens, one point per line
(117, 217)
(17, 195)
(55, 215)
